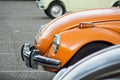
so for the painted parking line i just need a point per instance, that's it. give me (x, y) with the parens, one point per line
(10, 41)
(24, 71)
(9, 53)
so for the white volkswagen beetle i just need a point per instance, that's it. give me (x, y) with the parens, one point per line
(102, 65)
(55, 8)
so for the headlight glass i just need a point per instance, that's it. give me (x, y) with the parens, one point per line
(56, 42)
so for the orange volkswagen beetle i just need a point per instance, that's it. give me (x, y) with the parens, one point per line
(71, 37)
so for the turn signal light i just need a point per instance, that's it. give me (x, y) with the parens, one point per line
(86, 25)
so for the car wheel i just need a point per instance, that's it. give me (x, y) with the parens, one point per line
(22, 52)
(46, 12)
(55, 10)
(117, 4)
(87, 50)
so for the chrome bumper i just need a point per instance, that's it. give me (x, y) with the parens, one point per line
(33, 58)
(39, 4)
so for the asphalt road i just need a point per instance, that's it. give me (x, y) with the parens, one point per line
(19, 23)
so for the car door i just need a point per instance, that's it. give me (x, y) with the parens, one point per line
(83, 4)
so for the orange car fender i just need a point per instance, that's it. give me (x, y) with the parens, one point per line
(72, 40)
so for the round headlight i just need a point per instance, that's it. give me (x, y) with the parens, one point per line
(56, 42)
(40, 30)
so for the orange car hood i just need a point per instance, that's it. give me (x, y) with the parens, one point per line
(72, 20)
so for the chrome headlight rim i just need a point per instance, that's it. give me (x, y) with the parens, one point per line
(39, 32)
(56, 42)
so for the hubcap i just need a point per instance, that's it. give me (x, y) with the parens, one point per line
(56, 11)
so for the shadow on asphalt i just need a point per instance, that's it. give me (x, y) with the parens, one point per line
(46, 18)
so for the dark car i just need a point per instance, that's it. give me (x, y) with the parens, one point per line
(104, 64)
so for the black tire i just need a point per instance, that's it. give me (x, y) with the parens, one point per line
(22, 52)
(50, 8)
(46, 12)
(116, 4)
(87, 50)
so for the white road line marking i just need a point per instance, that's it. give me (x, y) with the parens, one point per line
(11, 41)
(21, 71)
(9, 53)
